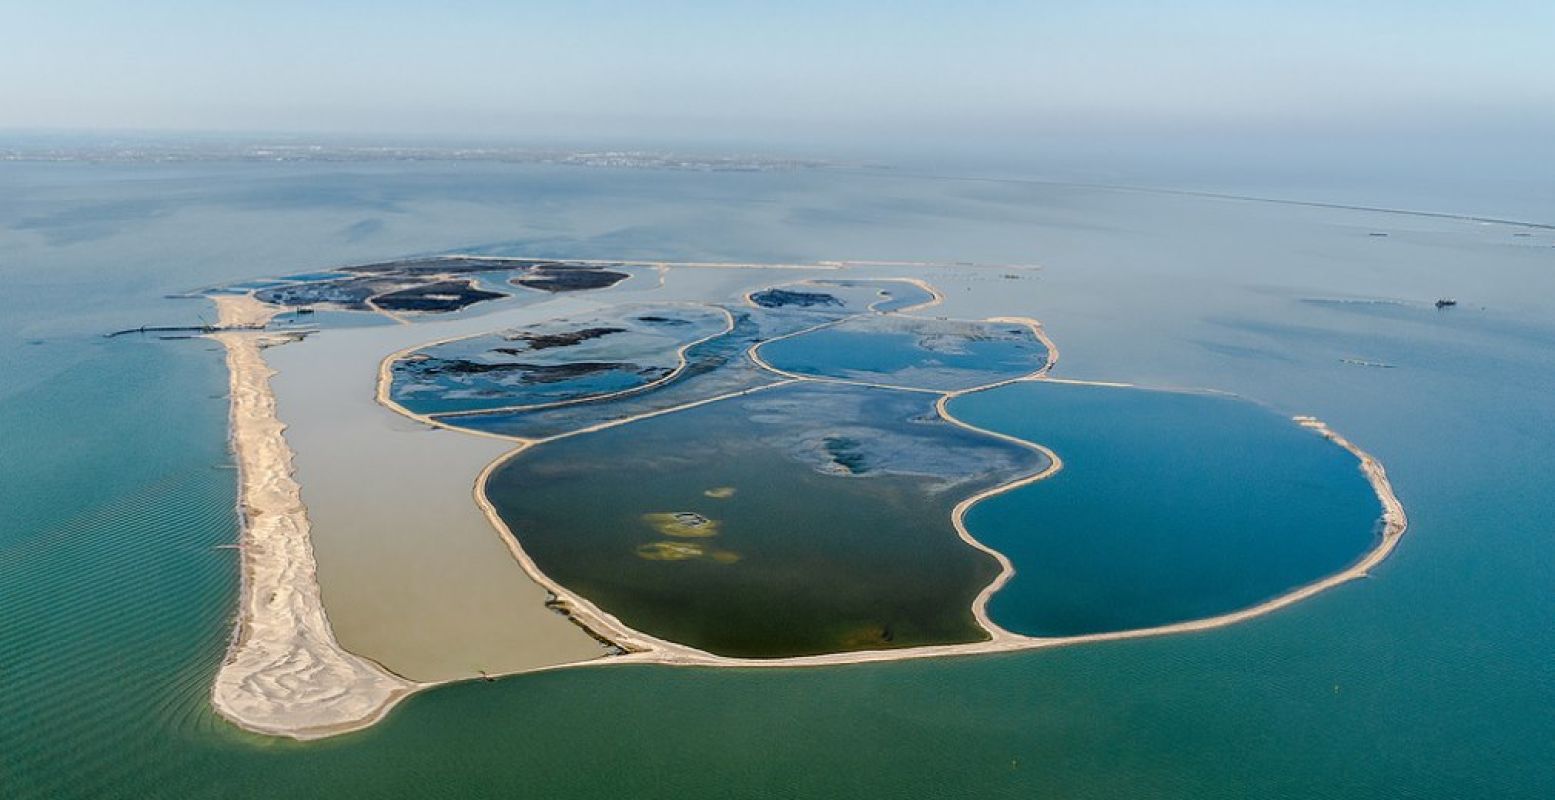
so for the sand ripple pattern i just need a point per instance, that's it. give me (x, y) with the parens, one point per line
(285, 673)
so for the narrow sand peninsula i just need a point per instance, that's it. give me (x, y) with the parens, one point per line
(284, 672)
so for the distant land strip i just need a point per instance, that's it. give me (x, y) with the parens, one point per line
(1115, 187)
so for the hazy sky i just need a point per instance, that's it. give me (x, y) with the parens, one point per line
(877, 68)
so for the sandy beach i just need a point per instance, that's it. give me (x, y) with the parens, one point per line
(412, 576)
(284, 672)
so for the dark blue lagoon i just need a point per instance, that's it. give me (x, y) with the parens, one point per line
(1170, 506)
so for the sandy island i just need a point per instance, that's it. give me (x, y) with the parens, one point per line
(285, 674)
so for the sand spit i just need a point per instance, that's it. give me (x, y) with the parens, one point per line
(284, 673)
(412, 576)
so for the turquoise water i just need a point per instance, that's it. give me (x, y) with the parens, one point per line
(1431, 679)
(926, 355)
(1170, 506)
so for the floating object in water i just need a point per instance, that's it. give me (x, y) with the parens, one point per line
(1446, 302)
(719, 492)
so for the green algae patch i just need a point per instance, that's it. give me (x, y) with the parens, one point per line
(670, 551)
(724, 556)
(683, 524)
(869, 637)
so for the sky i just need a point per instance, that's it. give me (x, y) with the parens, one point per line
(851, 70)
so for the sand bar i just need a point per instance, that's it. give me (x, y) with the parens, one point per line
(284, 673)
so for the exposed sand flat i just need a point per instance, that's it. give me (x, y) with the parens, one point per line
(412, 575)
(284, 673)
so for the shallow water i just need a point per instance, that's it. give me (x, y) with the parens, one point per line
(920, 353)
(836, 534)
(631, 347)
(890, 295)
(713, 368)
(1430, 679)
(410, 571)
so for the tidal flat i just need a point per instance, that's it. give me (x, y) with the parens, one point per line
(552, 361)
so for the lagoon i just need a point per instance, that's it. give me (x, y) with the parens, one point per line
(1170, 506)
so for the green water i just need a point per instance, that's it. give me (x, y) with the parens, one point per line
(805, 560)
(1170, 506)
(1431, 679)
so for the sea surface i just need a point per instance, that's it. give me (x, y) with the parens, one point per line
(1432, 678)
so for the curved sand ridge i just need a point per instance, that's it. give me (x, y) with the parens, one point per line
(646, 648)
(284, 673)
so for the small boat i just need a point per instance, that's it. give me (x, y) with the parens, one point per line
(1446, 302)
